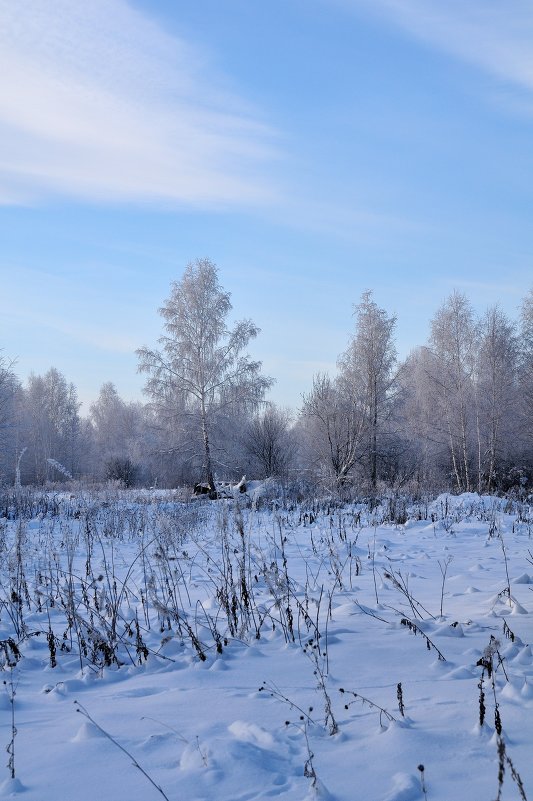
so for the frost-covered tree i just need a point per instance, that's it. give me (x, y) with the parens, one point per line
(201, 370)
(496, 395)
(367, 375)
(117, 430)
(346, 417)
(9, 401)
(526, 371)
(454, 342)
(333, 427)
(268, 443)
(460, 401)
(7, 377)
(52, 423)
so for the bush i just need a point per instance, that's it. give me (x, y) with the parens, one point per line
(121, 469)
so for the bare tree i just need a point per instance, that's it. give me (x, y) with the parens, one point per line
(334, 425)
(201, 370)
(344, 417)
(268, 443)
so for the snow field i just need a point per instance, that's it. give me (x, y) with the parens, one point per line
(211, 710)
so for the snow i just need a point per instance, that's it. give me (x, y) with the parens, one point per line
(267, 716)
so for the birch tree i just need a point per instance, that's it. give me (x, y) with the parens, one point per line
(350, 411)
(201, 369)
(426, 442)
(369, 365)
(51, 410)
(453, 342)
(335, 425)
(526, 367)
(116, 427)
(9, 394)
(268, 443)
(495, 394)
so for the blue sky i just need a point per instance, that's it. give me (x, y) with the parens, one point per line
(312, 149)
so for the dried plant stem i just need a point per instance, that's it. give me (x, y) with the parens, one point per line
(83, 711)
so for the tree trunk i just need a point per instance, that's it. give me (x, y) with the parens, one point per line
(207, 451)
(374, 445)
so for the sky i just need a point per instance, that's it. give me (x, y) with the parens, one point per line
(312, 149)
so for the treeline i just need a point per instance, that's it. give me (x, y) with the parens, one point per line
(457, 414)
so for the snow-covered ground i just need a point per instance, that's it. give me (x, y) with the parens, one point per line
(301, 653)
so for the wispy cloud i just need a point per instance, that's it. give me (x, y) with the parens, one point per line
(494, 36)
(98, 102)
(491, 289)
(107, 335)
(353, 220)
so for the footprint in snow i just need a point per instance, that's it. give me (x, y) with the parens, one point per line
(140, 692)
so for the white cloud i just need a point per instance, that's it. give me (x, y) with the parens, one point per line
(494, 36)
(98, 102)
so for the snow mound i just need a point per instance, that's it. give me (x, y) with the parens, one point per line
(11, 787)
(406, 787)
(87, 731)
(251, 733)
(524, 578)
